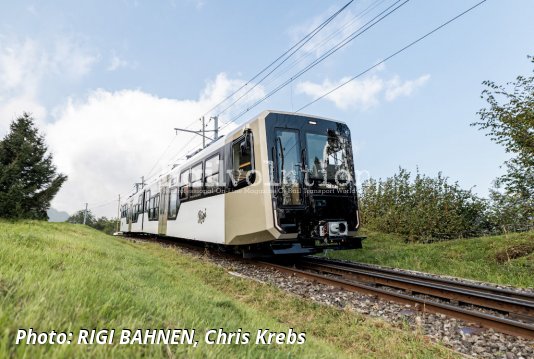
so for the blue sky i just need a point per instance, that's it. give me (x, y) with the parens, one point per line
(108, 80)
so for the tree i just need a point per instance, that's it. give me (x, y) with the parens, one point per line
(509, 121)
(28, 178)
(106, 225)
(423, 209)
(102, 224)
(77, 218)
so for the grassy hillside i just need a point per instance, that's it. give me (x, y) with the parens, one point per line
(63, 277)
(506, 259)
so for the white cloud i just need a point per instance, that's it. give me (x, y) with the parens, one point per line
(396, 88)
(105, 142)
(356, 94)
(26, 65)
(72, 58)
(362, 93)
(22, 64)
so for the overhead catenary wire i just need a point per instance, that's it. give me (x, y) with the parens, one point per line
(371, 23)
(283, 58)
(289, 51)
(336, 47)
(343, 43)
(309, 52)
(161, 156)
(295, 48)
(393, 55)
(312, 33)
(102, 205)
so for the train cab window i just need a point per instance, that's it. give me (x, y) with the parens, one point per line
(184, 185)
(173, 203)
(196, 180)
(242, 160)
(212, 173)
(288, 166)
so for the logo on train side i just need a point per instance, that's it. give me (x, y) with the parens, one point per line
(202, 216)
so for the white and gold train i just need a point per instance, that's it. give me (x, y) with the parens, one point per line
(281, 183)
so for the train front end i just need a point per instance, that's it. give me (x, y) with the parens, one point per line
(313, 189)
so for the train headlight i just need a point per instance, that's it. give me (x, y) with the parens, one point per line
(337, 228)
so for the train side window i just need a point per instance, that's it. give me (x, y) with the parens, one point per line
(196, 180)
(242, 160)
(154, 208)
(152, 211)
(212, 173)
(147, 201)
(173, 203)
(184, 185)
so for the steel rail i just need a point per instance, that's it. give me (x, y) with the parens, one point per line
(449, 282)
(420, 285)
(503, 325)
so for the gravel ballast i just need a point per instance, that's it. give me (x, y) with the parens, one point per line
(465, 338)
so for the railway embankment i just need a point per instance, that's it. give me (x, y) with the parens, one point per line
(63, 277)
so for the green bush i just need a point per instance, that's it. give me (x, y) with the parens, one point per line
(422, 209)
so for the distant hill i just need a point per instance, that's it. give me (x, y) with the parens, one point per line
(57, 216)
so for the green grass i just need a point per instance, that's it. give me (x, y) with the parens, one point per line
(489, 259)
(65, 277)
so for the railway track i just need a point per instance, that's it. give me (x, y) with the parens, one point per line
(428, 294)
(409, 288)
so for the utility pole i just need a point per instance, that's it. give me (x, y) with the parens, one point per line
(215, 127)
(85, 214)
(142, 184)
(118, 214)
(203, 132)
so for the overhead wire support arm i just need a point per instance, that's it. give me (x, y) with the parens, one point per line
(203, 131)
(199, 132)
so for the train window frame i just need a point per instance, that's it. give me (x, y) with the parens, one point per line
(240, 183)
(176, 205)
(184, 186)
(217, 174)
(192, 194)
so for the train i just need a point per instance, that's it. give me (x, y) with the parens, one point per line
(279, 184)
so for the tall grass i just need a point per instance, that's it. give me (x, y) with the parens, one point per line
(64, 277)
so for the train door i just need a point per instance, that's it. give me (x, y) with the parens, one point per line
(163, 206)
(141, 208)
(129, 217)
